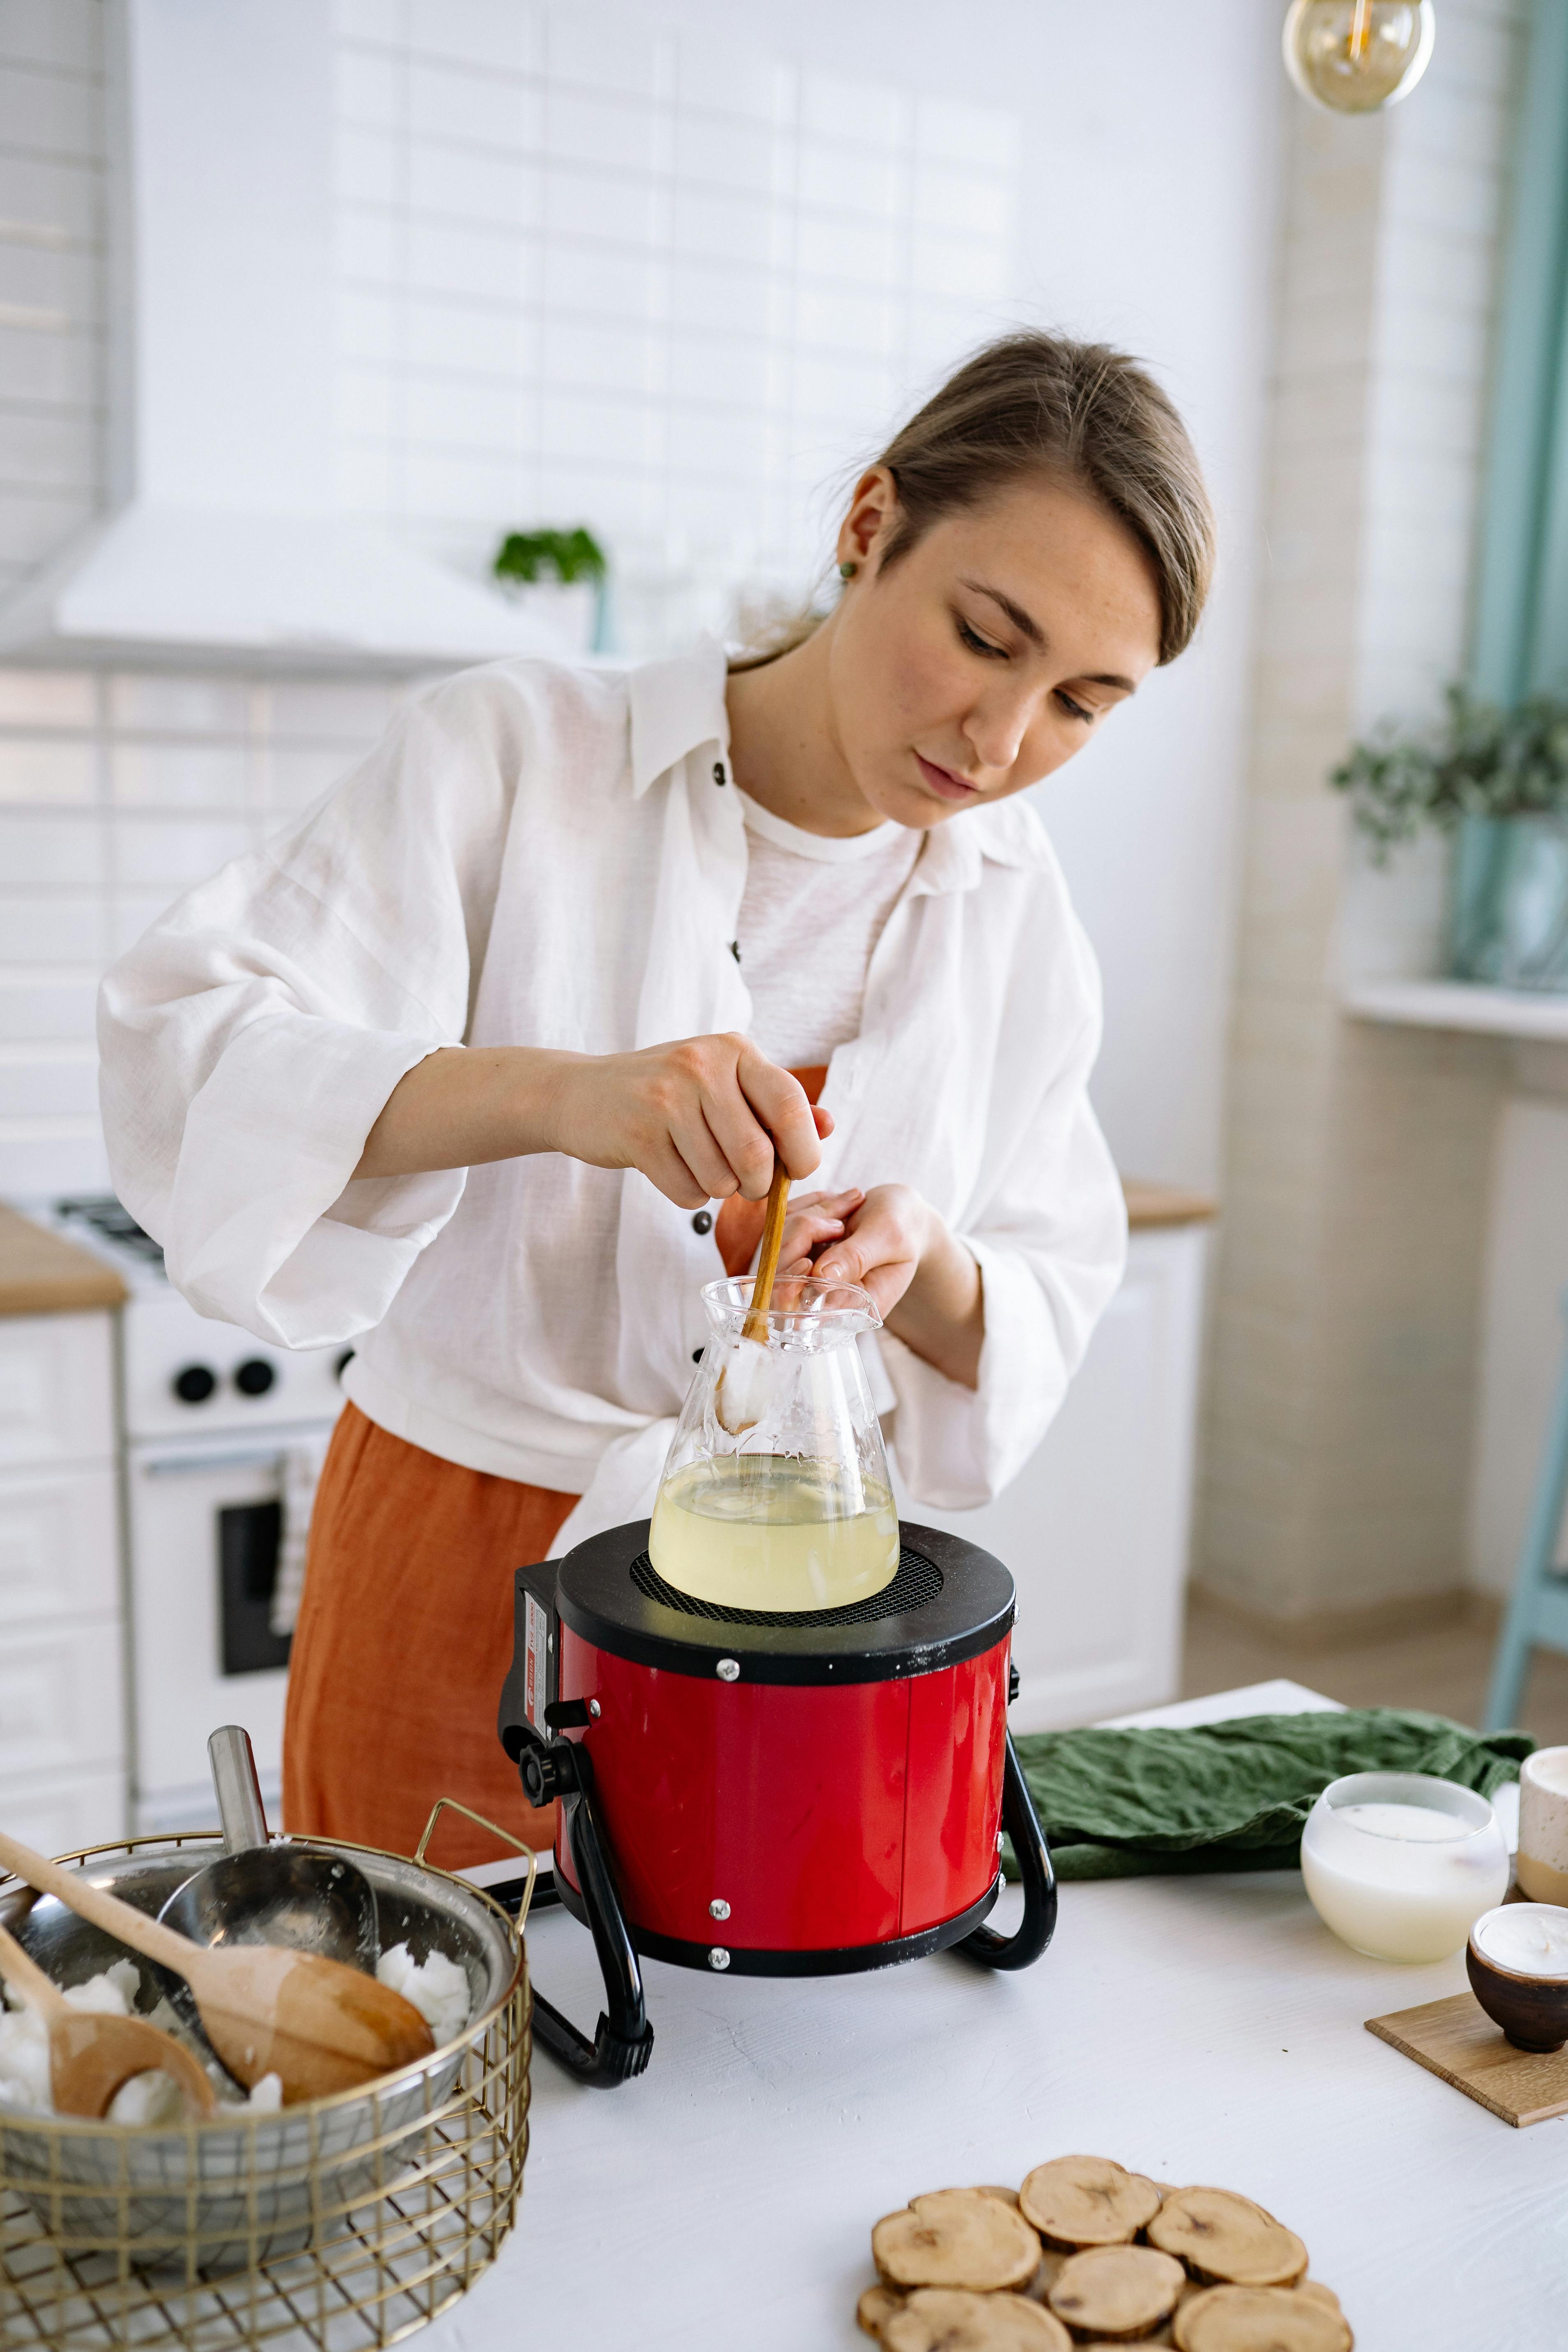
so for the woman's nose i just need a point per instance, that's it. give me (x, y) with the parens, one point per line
(996, 727)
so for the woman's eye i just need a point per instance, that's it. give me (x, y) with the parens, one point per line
(1075, 709)
(979, 645)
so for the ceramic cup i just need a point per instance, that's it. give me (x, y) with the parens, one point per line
(1542, 1865)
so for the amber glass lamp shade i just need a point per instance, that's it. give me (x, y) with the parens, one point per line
(1355, 56)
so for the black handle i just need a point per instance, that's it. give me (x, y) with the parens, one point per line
(1022, 1824)
(623, 2040)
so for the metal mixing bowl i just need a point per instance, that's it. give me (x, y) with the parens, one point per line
(243, 2188)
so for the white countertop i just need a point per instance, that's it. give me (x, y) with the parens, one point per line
(1199, 2028)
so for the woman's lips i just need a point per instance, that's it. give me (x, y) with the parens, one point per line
(943, 781)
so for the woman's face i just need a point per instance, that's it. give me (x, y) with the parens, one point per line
(990, 651)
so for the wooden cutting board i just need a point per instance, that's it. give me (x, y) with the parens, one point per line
(1456, 2039)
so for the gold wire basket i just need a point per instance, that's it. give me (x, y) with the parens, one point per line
(352, 2220)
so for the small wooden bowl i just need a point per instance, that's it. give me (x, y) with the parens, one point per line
(1532, 2010)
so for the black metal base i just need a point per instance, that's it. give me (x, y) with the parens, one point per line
(837, 1960)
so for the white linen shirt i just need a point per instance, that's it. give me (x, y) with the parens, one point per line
(543, 856)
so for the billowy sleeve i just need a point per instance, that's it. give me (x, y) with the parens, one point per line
(1050, 1239)
(250, 1039)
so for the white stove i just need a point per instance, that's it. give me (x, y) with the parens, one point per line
(221, 1439)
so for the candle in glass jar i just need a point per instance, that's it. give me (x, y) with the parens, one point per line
(1401, 1865)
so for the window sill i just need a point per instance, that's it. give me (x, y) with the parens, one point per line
(1459, 1004)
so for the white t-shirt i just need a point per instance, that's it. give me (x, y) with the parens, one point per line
(811, 911)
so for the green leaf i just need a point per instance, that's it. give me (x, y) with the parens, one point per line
(1479, 761)
(564, 555)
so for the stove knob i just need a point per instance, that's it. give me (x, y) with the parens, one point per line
(255, 1377)
(718, 1957)
(194, 1384)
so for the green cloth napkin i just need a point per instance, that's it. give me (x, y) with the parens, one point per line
(1231, 1796)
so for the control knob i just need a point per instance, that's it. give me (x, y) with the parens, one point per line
(255, 1376)
(195, 1383)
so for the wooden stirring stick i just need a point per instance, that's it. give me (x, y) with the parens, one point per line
(91, 2055)
(755, 1326)
(318, 2025)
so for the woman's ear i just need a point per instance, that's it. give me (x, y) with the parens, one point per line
(870, 522)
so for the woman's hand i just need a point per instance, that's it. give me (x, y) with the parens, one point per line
(926, 1285)
(699, 1118)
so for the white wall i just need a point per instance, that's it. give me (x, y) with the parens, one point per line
(1141, 196)
(1524, 1333)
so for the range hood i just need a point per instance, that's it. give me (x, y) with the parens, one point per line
(222, 544)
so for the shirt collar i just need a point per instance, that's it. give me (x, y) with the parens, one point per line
(1007, 835)
(676, 705)
(679, 704)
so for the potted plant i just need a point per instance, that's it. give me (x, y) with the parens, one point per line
(1497, 781)
(562, 577)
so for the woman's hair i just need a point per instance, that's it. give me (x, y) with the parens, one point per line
(1082, 414)
(1089, 416)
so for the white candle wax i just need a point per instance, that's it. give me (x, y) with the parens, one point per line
(1401, 1881)
(1531, 1938)
(1415, 1824)
(1549, 1767)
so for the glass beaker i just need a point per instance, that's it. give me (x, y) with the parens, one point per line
(776, 1492)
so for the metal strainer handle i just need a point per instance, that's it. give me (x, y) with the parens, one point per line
(454, 1805)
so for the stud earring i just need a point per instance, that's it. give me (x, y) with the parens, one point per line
(847, 571)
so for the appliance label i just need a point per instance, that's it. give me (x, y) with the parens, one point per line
(534, 1684)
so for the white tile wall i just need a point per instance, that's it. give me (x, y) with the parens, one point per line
(594, 269)
(590, 270)
(51, 172)
(116, 792)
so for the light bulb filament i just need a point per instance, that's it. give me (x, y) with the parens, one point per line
(1361, 25)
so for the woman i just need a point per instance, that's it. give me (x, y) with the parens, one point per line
(457, 1069)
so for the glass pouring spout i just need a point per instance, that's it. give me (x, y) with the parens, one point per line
(776, 1492)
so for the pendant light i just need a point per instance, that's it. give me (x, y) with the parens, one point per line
(1355, 56)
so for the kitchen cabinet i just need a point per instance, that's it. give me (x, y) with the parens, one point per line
(63, 1743)
(1095, 1527)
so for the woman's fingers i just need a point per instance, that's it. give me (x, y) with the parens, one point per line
(781, 1105)
(703, 1153)
(666, 1170)
(881, 1246)
(827, 1204)
(804, 1235)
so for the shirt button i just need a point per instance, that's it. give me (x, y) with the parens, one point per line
(702, 1222)
(719, 775)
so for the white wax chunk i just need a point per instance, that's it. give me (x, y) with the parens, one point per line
(1412, 1824)
(745, 1387)
(1531, 1938)
(1549, 1769)
(437, 1987)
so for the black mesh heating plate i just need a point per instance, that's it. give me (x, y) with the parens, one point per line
(918, 1582)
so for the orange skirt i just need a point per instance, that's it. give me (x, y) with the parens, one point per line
(403, 1640)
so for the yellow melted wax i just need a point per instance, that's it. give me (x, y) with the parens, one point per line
(760, 1531)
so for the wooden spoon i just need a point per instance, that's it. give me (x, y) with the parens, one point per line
(755, 1326)
(319, 2026)
(91, 2055)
